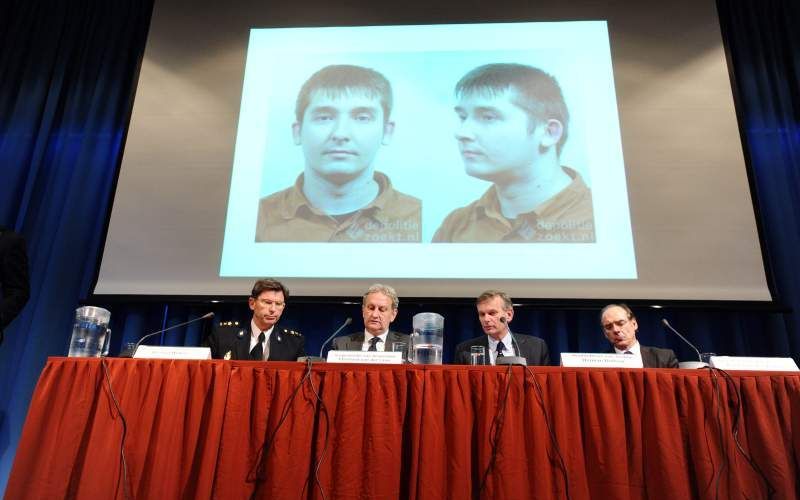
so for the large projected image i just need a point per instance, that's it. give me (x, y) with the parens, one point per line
(434, 147)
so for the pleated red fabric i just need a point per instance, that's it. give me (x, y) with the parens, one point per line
(227, 429)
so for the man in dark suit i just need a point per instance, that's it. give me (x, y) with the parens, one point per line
(261, 340)
(620, 326)
(14, 281)
(379, 308)
(495, 312)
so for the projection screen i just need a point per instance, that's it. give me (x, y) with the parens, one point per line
(577, 152)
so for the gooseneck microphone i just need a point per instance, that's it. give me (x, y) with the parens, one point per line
(511, 360)
(132, 352)
(346, 322)
(669, 327)
(319, 358)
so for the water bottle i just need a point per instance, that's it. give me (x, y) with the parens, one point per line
(427, 339)
(90, 333)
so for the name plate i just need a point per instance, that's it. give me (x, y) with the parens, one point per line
(754, 364)
(599, 360)
(368, 357)
(169, 352)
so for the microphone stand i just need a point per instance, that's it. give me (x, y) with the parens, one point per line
(320, 359)
(511, 360)
(130, 353)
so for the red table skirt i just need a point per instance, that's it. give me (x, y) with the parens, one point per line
(195, 429)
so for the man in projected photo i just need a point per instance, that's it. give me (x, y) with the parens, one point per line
(342, 119)
(513, 126)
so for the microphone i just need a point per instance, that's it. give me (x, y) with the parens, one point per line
(669, 327)
(319, 358)
(132, 352)
(511, 360)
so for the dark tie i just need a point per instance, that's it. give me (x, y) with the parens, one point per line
(500, 348)
(257, 352)
(628, 352)
(373, 343)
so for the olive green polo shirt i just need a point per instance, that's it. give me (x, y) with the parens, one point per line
(567, 217)
(391, 217)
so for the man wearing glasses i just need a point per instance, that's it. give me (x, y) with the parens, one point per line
(263, 340)
(619, 326)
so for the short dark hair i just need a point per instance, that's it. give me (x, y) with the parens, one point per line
(539, 92)
(622, 306)
(490, 294)
(269, 285)
(341, 79)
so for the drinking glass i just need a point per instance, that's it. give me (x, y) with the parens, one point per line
(477, 355)
(401, 347)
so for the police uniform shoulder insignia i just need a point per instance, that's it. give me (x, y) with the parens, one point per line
(240, 334)
(292, 333)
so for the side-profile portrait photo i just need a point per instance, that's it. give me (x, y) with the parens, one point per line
(513, 123)
(343, 117)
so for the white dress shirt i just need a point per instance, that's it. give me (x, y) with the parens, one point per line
(380, 346)
(508, 349)
(635, 349)
(254, 333)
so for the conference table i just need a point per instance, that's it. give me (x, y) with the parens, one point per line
(243, 429)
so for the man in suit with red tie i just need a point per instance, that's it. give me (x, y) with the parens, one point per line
(620, 326)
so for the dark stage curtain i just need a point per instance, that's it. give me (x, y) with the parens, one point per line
(764, 51)
(67, 71)
(67, 74)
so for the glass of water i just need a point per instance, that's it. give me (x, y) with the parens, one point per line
(402, 348)
(477, 355)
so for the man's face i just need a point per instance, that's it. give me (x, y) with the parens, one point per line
(378, 313)
(490, 313)
(341, 134)
(618, 328)
(267, 308)
(495, 137)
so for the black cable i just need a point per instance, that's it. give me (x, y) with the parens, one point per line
(318, 462)
(709, 451)
(716, 394)
(737, 418)
(495, 430)
(551, 432)
(125, 486)
(255, 473)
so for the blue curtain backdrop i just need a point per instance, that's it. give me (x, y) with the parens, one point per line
(67, 71)
(67, 74)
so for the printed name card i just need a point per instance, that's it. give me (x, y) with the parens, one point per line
(754, 364)
(367, 357)
(169, 352)
(599, 360)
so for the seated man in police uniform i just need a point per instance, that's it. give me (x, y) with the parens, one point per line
(620, 326)
(495, 312)
(261, 340)
(379, 308)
